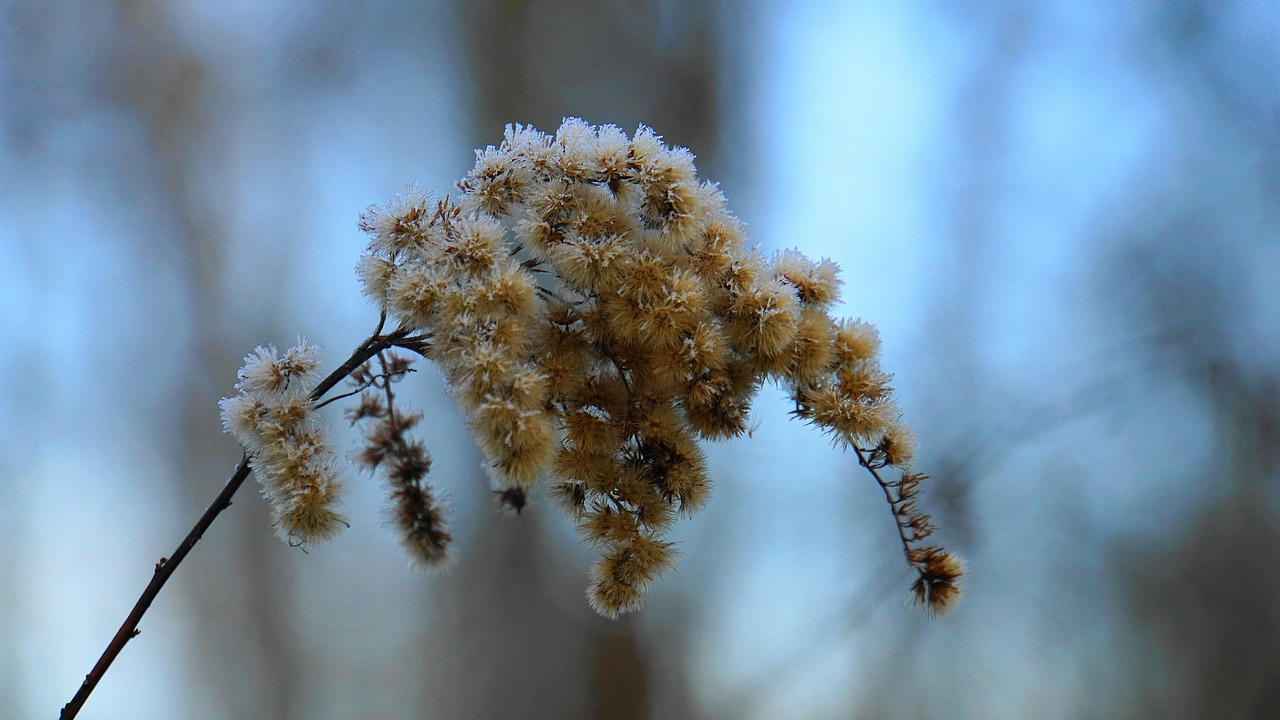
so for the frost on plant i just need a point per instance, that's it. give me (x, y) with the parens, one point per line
(597, 313)
(274, 418)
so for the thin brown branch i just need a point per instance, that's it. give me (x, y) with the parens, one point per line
(894, 503)
(343, 396)
(164, 569)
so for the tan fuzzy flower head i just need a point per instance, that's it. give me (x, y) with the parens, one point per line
(597, 312)
(275, 420)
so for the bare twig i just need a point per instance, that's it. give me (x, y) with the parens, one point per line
(374, 344)
(887, 487)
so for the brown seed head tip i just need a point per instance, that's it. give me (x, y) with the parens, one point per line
(512, 500)
(418, 515)
(940, 586)
(430, 553)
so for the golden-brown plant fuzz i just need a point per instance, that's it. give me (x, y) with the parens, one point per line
(852, 419)
(517, 441)
(596, 312)
(266, 374)
(712, 255)
(274, 419)
(592, 264)
(816, 284)
(571, 497)
(403, 223)
(856, 340)
(625, 570)
(812, 351)
(898, 445)
(763, 319)
(496, 183)
(594, 432)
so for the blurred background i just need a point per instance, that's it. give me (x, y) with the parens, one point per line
(1064, 218)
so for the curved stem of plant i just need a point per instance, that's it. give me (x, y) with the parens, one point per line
(893, 504)
(375, 344)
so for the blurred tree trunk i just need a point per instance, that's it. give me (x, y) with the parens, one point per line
(654, 62)
(1205, 607)
(1203, 598)
(243, 641)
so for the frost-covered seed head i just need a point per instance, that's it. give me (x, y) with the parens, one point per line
(596, 311)
(275, 420)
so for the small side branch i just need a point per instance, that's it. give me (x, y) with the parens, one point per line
(894, 502)
(374, 344)
(938, 586)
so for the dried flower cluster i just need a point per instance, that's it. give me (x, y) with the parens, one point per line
(596, 312)
(274, 417)
(415, 511)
